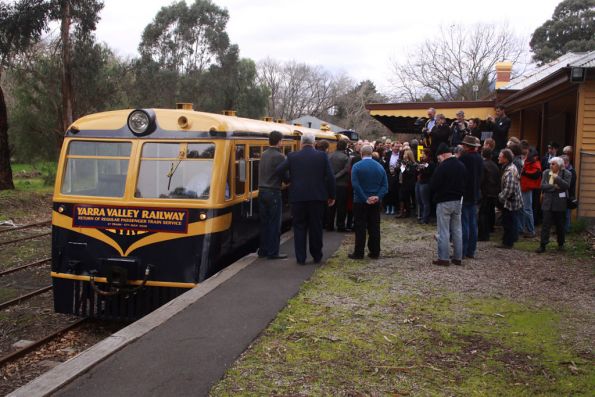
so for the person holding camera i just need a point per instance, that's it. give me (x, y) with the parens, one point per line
(459, 129)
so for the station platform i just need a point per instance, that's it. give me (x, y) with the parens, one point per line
(187, 353)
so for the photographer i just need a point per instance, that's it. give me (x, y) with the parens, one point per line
(459, 129)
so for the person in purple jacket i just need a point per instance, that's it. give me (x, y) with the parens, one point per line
(370, 184)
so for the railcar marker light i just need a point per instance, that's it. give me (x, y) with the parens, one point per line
(202, 216)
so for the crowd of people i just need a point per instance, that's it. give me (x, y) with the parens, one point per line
(458, 174)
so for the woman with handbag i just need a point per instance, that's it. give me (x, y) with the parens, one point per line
(554, 187)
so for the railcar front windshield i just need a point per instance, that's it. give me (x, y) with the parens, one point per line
(175, 170)
(95, 168)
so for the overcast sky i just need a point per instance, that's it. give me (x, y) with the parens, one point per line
(356, 37)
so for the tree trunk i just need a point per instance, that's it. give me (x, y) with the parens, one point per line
(5, 169)
(66, 66)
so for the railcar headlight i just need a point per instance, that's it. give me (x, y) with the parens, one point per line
(202, 216)
(141, 121)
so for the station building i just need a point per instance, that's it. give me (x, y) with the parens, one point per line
(554, 102)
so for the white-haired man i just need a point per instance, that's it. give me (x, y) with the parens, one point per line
(312, 186)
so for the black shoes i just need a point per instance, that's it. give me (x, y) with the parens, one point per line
(278, 256)
(373, 256)
(457, 262)
(540, 250)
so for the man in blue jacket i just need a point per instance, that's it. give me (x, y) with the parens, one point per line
(370, 184)
(312, 186)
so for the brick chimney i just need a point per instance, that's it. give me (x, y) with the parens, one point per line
(503, 70)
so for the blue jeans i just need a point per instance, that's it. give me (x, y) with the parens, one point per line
(424, 206)
(527, 223)
(448, 217)
(469, 229)
(269, 207)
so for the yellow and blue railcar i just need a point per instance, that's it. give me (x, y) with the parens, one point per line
(150, 202)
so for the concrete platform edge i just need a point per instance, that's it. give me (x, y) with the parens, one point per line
(64, 373)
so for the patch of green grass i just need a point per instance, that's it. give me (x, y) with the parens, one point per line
(348, 333)
(576, 244)
(33, 185)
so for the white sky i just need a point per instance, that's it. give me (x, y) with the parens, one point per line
(356, 37)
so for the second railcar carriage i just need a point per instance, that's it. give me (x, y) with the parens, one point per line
(150, 202)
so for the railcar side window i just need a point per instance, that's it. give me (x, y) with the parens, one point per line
(255, 153)
(96, 168)
(175, 170)
(240, 164)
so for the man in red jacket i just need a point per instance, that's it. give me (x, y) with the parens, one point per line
(530, 180)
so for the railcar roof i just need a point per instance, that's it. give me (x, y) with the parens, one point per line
(114, 124)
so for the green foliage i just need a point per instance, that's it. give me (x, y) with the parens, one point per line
(100, 80)
(21, 24)
(186, 56)
(571, 29)
(186, 38)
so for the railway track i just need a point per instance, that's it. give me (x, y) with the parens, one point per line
(27, 226)
(26, 266)
(18, 240)
(24, 297)
(37, 344)
(25, 238)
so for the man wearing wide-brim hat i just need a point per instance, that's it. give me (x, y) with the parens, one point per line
(474, 166)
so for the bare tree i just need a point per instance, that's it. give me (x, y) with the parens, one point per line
(352, 112)
(459, 58)
(298, 89)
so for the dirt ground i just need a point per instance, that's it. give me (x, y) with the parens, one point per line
(509, 322)
(23, 207)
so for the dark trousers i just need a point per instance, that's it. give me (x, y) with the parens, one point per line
(487, 218)
(509, 224)
(269, 207)
(469, 227)
(339, 210)
(558, 218)
(367, 218)
(307, 223)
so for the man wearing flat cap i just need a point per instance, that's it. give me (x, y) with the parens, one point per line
(474, 167)
(447, 187)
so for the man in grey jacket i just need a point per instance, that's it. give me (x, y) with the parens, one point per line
(340, 165)
(269, 198)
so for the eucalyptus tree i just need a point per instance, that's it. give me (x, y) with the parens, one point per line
(21, 24)
(571, 28)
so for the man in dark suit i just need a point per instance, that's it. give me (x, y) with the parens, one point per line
(499, 126)
(312, 186)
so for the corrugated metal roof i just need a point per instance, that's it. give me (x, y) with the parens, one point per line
(571, 59)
